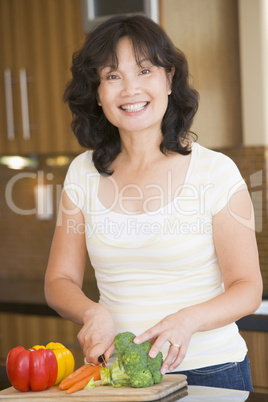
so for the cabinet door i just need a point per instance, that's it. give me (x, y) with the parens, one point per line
(38, 38)
(8, 82)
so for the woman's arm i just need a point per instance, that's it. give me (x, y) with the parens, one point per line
(236, 248)
(64, 279)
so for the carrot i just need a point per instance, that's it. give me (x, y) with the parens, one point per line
(81, 384)
(79, 374)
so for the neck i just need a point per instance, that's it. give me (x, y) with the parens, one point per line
(139, 149)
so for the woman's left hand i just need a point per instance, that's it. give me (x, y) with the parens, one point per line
(176, 329)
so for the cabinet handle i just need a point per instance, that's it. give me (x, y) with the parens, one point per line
(9, 105)
(24, 104)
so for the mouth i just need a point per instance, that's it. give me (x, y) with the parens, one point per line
(134, 107)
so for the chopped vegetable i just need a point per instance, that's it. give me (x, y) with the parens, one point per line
(91, 384)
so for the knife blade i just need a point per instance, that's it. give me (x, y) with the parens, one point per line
(101, 359)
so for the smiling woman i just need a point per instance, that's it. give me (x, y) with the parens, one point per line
(168, 224)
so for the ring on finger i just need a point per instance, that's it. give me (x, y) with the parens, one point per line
(174, 344)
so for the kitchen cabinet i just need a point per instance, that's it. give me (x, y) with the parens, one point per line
(257, 343)
(29, 330)
(37, 40)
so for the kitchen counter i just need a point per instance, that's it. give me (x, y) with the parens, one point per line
(257, 321)
(27, 297)
(24, 296)
(206, 394)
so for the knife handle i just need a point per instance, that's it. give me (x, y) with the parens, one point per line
(101, 358)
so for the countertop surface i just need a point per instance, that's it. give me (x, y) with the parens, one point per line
(23, 296)
(206, 394)
(26, 297)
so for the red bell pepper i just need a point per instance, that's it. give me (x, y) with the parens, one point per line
(31, 369)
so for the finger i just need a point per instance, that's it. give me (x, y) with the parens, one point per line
(146, 336)
(174, 359)
(94, 353)
(157, 345)
(180, 357)
(170, 358)
(109, 352)
(150, 335)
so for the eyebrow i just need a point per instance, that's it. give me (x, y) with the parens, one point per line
(113, 67)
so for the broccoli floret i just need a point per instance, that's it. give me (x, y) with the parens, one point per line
(122, 340)
(154, 365)
(134, 358)
(146, 346)
(142, 379)
(133, 365)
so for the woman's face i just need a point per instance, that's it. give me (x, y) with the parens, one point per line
(133, 97)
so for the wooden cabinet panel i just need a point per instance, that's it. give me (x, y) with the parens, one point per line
(207, 32)
(257, 343)
(39, 36)
(30, 330)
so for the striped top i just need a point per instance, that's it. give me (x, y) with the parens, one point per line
(151, 265)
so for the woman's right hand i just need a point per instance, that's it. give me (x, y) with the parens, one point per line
(97, 334)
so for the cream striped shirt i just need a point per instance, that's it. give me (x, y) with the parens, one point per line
(150, 265)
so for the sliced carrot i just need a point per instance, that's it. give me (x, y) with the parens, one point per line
(81, 384)
(79, 374)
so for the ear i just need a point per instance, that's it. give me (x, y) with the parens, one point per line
(170, 78)
(98, 99)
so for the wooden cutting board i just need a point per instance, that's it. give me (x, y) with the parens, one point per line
(169, 384)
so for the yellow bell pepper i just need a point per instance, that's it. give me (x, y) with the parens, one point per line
(64, 358)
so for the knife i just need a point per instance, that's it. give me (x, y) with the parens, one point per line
(101, 359)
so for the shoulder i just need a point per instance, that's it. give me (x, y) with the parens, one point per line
(81, 169)
(83, 160)
(213, 161)
(219, 173)
(80, 178)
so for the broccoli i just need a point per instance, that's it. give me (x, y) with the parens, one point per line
(133, 366)
(122, 341)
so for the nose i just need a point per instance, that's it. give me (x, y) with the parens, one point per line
(130, 87)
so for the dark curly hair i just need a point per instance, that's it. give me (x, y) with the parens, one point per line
(149, 40)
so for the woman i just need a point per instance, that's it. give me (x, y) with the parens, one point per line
(167, 223)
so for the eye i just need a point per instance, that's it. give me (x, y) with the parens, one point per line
(111, 77)
(145, 71)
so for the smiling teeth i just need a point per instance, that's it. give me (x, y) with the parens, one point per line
(134, 108)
